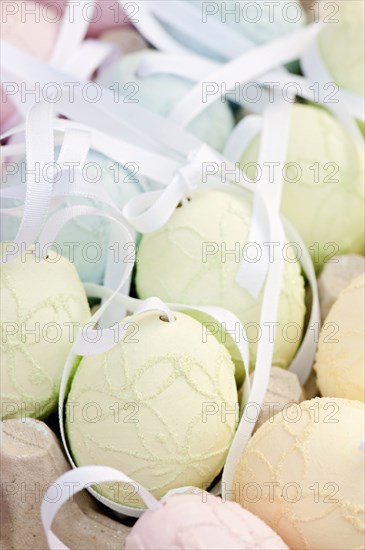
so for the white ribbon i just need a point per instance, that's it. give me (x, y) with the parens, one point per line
(86, 344)
(316, 71)
(304, 358)
(252, 64)
(194, 68)
(150, 211)
(39, 184)
(159, 168)
(74, 149)
(72, 32)
(242, 136)
(131, 121)
(273, 152)
(217, 37)
(344, 104)
(80, 479)
(265, 350)
(185, 18)
(227, 43)
(90, 56)
(301, 365)
(70, 53)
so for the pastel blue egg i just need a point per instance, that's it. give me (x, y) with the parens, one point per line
(86, 240)
(260, 21)
(162, 92)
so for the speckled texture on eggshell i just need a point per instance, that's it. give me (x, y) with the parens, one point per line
(201, 522)
(303, 474)
(184, 275)
(341, 44)
(323, 193)
(160, 379)
(340, 359)
(44, 297)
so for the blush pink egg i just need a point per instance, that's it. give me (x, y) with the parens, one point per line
(34, 26)
(201, 521)
(25, 26)
(108, 14)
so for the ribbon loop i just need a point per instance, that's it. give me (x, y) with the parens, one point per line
(40, 175)
(81, 478)
(150, 211)
(273, 152)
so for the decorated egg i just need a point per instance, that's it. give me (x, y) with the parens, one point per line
(201, 521)
(107, 15)
(160, 406)
(43, 306)
(340, 358)
(162, 92)
(303, 474)
(323, 193)
(203, 245)
(341, 44)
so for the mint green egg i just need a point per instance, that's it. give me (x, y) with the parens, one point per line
(323, 194)
(342, 46)
(175, 264)
(218, 331)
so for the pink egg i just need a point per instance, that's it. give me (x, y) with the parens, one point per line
(29, 28)
(108, 14)
(202, 521)
(34, 26)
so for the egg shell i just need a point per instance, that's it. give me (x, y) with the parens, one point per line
(335, 277)
(108, 15)
(185, 274)
(341, 44)
(25, 26)
(323, 194)
(259, 22)
(162, 92)
(45, 297)
(201, 521)
(90, 235)
(340, 359)
(158, 399)
(303, 474)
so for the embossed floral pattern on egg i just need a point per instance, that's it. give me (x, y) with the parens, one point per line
(153, 396)
(303, 474)
(201, 521)
(43, 304)
(323, 194)
(212, 226)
